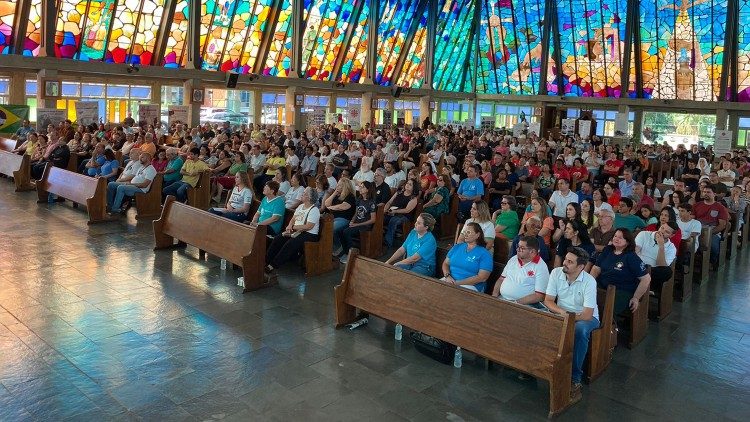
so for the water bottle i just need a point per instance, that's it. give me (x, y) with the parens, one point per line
(241, 281)
(223, 264)
(399, 332)
(457, 358)
(358, 323)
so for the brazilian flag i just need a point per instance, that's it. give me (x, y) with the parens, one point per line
(11, 117)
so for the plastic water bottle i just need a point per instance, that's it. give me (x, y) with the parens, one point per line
(223, 264)
(457, 358)
(241, 281)
(358, 323)
(399, 332)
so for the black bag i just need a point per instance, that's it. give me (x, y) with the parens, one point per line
(437, 349)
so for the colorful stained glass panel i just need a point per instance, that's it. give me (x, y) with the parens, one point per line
(452, 45)
(412, 72)
(7, 14)
(396, 21)
(279, 60)
(134, 31)
(510, 47)
(33, 40)
(326, 27)
(245, 34)
(174, 54)
(743, 53)
(353, 67)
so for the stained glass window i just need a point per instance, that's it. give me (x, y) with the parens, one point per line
(743, 53)
(7, 14)
(453, 43)
(279, 60)
(592, 42)
(510, 47)
(412, 72)
(396, 21)
(326, 27)
(174, 54)
(33, 40)
(682, 44)
(216, 17)
(134, 31)
(353, 67)
(245, 33)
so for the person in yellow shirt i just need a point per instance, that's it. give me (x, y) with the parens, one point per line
(191, 172)
(275, 161)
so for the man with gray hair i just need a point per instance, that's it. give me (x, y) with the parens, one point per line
(640, 198)
(382, 189)
(603, 232)
(174, 165)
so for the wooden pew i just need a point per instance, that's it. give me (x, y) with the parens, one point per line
(662, 299)
(7, 144)
(441, 310)
(407, 226)
(18, 167)
(448, 221)
(200, 196)
(371, 241)
(729, 239)
(602, 343)
(684, 273)
(318, 255)
(238, 243)
(76, 187)
(745, 227)
(148, 205)
(704, 248)
(638, 322)
(73, 162)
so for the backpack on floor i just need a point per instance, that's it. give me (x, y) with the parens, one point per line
(435, 348)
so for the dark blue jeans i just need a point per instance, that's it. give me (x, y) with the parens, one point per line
(581, 346)
(178, 189)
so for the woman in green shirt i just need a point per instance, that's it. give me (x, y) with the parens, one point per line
(227, 181)
(438, 202)
(507, 223)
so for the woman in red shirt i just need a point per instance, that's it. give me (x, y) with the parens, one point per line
(579, 171)
(613, 194)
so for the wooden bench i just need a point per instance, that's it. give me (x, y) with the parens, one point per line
(18, 167)
(663, 298)
(701, 267)
(148, 205)
(684, 273)
(9, 144)
(73, 162)
(465, 318)
(602, 343)
(319, 255)
(371, 241)
(745, 227)
(78, 188)
(238, 243)
(200, 196)
(448, 221)
(638, 322)
(729, 239)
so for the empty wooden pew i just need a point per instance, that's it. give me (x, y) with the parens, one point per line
(371, 241)
(200, 196)
(602, 343)
(319, 255)
(238, 243)
(448, 221)
(451, 313)
(18, 167)
(78, 188)
(148, 205)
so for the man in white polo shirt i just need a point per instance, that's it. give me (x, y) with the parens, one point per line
(524, 278)
(657, 251)
(561, 198)
(571, 289)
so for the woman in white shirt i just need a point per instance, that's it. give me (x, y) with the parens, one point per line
(293, 197)
(303, 227)
(238, 203)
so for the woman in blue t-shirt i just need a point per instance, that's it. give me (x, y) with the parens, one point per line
(469, 264)
(619, 265)
(417, 253)
(111, 166)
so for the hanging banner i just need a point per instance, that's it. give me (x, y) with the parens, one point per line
(584, 128)
(178, 113)
(487, 123)
(49, 116)
(568, 126)
(518, 129)
(353, 115)
(148, 114)
(387, 118)
(87, 112)
(621, 124)
(722, 141)
(535, 128)
(316, 117)
(12, 116)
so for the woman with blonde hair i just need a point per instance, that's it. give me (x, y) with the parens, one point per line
(539, 210)
(480, 214)
(341, 204)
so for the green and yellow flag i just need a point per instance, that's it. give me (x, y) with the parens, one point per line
(11, 117)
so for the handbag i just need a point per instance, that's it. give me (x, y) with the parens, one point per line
(437, 349)
(295, 234)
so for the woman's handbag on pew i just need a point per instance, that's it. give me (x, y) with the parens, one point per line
(435, 348)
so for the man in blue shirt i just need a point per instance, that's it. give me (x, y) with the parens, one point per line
(471, 189)
(586, 192)
(626, 185)
(23, 131)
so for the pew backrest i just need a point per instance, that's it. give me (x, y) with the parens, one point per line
(7, 144)
(78, 188)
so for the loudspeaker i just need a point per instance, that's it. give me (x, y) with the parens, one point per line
(396, 91)
(232, 79)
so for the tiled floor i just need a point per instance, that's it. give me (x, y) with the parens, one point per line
(96, 326)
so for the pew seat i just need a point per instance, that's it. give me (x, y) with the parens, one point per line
(371, 241)
(17, 167)
(240, 244)
(75, 187)
(319, 255)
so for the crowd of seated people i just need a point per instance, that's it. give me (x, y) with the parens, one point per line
(593, 215)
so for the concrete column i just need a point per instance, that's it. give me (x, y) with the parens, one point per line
(45, 74)
(194, 111)
(721, 118)
(637, 123)
(424, 109)
(366, 116)
(332, 104)
(734, 126)
(257, 105)
(17, 94)
(156, 93)
(392, 108)
(293, 115)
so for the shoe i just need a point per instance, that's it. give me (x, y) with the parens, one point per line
(115, 211)
(338, 251)
(344, 259)
(575, 392)
(268, 269)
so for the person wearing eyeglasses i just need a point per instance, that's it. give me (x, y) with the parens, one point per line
(525, 276)
(506, 219)
(532, 228)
